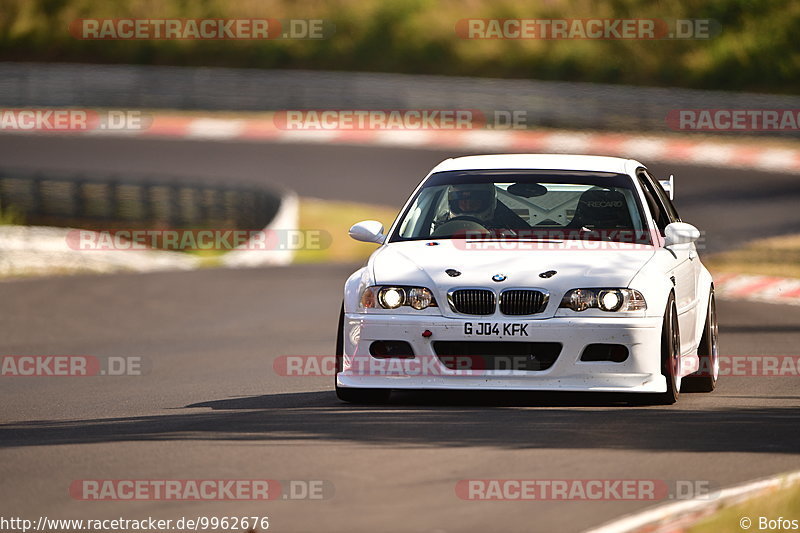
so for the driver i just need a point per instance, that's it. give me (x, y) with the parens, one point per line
(473, 207)
(477, 200)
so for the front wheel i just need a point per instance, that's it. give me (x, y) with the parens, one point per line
(670, 356)
(347, 394)
(705, 379)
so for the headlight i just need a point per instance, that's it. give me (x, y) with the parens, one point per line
(419, 297)
(392, 297)
(611, 300)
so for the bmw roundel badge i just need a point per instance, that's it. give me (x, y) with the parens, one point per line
(499, 277)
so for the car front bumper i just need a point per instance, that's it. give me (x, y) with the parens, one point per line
(640, 372)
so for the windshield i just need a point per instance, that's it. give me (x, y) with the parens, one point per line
(520, 204)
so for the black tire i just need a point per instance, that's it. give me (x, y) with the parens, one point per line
(670, 354)
(353, 395)
(705, 379)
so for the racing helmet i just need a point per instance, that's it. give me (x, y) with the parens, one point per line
(474, 199)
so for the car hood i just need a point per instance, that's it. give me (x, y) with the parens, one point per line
(577, 264)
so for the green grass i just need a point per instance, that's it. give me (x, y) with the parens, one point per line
(756, 49)
(11, 217)
(335, 219)
(783, 503)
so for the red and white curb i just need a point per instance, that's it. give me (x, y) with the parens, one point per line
(679, 516)
(770, 289)
(645, 147)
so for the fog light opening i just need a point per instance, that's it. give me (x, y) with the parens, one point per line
(609, 353)
(391, 350)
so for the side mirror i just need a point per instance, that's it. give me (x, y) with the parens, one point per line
(680, 233)
(368, 231)
(669, 186)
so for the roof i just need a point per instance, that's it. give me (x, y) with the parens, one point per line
(538, 161)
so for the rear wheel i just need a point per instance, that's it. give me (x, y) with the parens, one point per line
(347, 394)
(705, 379)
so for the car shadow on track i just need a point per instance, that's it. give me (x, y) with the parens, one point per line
(415, 421)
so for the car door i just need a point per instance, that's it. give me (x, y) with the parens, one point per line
(692, 248)
(682, 260)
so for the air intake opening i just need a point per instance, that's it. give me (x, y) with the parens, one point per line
(391, 349)
(614, 353)
(493, 355)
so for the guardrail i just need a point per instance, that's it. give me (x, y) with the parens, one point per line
(549, 104)
(131, 202)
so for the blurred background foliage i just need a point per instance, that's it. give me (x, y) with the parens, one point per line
(758, 48)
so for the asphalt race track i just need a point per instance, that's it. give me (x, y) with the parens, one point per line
(211, 406)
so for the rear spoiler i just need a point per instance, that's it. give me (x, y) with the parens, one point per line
(669, 186)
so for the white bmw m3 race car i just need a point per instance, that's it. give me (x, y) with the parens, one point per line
(531, 272)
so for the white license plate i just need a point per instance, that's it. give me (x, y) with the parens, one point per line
(496, 329)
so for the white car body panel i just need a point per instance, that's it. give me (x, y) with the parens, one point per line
(646, 268)
(418, 264)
